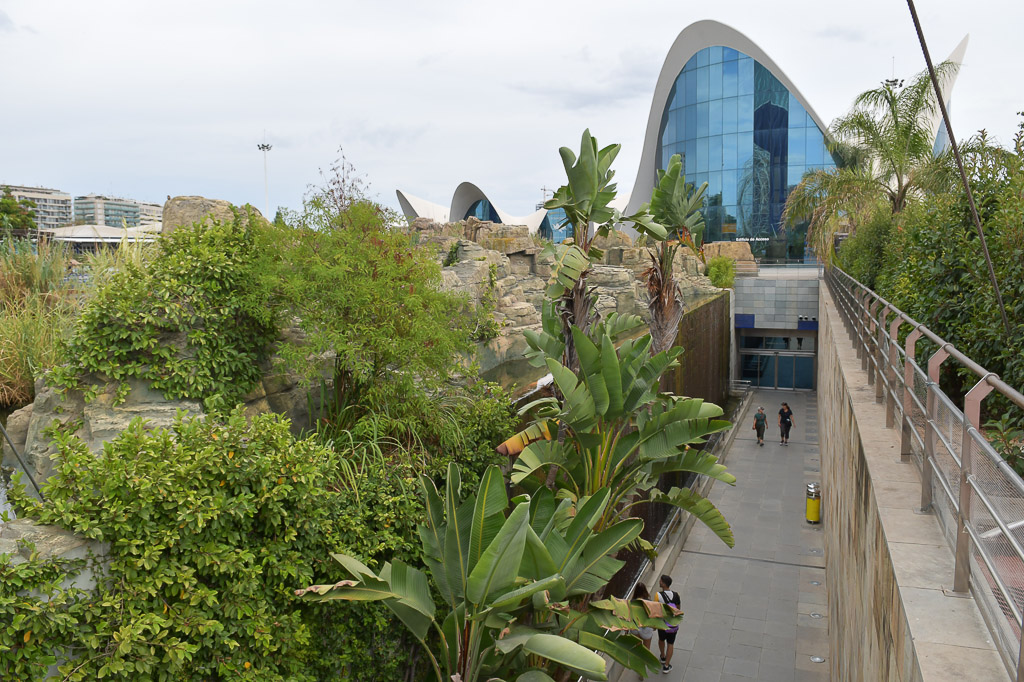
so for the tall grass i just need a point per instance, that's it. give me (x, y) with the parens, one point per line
(42, 287)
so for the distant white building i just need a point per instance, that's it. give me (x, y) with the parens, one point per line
(96, 209)
(53, 207)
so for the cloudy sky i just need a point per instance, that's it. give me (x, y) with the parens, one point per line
(146, 99)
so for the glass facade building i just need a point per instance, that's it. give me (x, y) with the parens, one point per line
(744, 133)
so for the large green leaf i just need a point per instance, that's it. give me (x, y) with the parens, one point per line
(697, 461)
(410, 585)
(601, 545)
(591, 366)
(537, 562)
(569, 265)
(580, 530)
(534, 676)
(567, 654)
(499, 564)
(514, 598)
(578, 410)
(627, 650)
(456, 546)
(702, 508)
(536, 456)
(369, 589)
(489, 515)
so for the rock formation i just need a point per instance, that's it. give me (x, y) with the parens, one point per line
(187, 210)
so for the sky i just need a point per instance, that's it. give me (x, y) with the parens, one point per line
(155, 98)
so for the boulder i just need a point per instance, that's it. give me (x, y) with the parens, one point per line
(102, 421)
(17, 430)
(738, 251)
(186, 210)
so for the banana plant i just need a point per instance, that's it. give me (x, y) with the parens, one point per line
(675, 204)
(621, 434)
(586, 199)
(511, 577)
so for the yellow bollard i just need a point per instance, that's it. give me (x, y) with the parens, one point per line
(813, 503)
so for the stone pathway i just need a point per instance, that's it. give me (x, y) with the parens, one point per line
(757, 612)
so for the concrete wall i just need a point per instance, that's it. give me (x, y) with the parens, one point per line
(777, 302)
(886, 565)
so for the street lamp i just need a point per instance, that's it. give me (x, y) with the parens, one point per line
(264, 147)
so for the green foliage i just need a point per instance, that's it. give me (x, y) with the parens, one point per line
(209, 525)
(363, 295)
(35, 612)
(722, 271)
(621, 434)
(884, 146)
(506, 578)
(194, 321)
(862, 255)
(452, 257)
(37, 306)
(934, 270)
(15, 214)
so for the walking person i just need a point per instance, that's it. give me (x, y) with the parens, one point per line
(760, 424)
(667, 637)
(645, 633)
(786, 422)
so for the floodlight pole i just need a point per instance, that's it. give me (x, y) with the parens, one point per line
(960, 166)
(266, 192)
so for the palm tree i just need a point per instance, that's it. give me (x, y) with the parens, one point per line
(884, 148)
(675, 205)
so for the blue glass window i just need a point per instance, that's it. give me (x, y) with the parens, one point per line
(743, 132)
(730, 79)
(715, 117)
(715, 82)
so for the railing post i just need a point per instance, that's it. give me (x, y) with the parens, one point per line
(934, 365)
(862, 312)
(881, 357)
(894, 356)
(906, 440)
(972, 415)
(869, 339)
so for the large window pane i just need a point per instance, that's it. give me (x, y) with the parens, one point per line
(804, 373)
(766, 371)
(816, 154)
(689, 122)
(702, 155)
(729, 54)
(785, 369)
(744, 149)
(702, 120)
(689, 87)
(746, 79)
(703, 57)
(715, 54)
(796, 146)
(796, 113)
(745, 113)
(691, 157)
(702, 85)
(729, 151)
(715, 186)
(715, 152)
(715, 117)
(730, 79)
(715, 82)
(729, 123)
(729, 187)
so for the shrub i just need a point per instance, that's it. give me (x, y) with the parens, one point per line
(722, 271)
(195, 321)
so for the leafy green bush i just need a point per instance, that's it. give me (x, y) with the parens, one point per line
(195, 321)
(722, 271)
(863, 254)
(209, 523)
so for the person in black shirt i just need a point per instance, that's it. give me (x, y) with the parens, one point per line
(785, 422)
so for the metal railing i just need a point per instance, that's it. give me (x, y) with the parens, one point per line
(977, 497)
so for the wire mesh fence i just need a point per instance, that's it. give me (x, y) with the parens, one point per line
(977, 498)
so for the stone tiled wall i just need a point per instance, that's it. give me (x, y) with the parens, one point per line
(776, 303)
(890, 618)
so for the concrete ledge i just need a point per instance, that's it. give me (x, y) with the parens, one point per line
(887, 564)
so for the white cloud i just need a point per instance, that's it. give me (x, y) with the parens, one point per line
(146, 100)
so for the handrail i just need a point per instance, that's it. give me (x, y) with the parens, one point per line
(988, 546)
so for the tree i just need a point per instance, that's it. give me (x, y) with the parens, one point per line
(509, 580)
(586, 200)
(885, 149)
(366, 297)
(676, 206)
(16, 214)
(621, 434)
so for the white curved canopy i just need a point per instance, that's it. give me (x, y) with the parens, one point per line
(466, 194)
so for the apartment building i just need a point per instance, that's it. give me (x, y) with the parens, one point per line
(53, 207)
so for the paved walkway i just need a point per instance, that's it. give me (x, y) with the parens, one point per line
(757, 612)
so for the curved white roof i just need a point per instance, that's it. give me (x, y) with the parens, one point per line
(466, 194)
